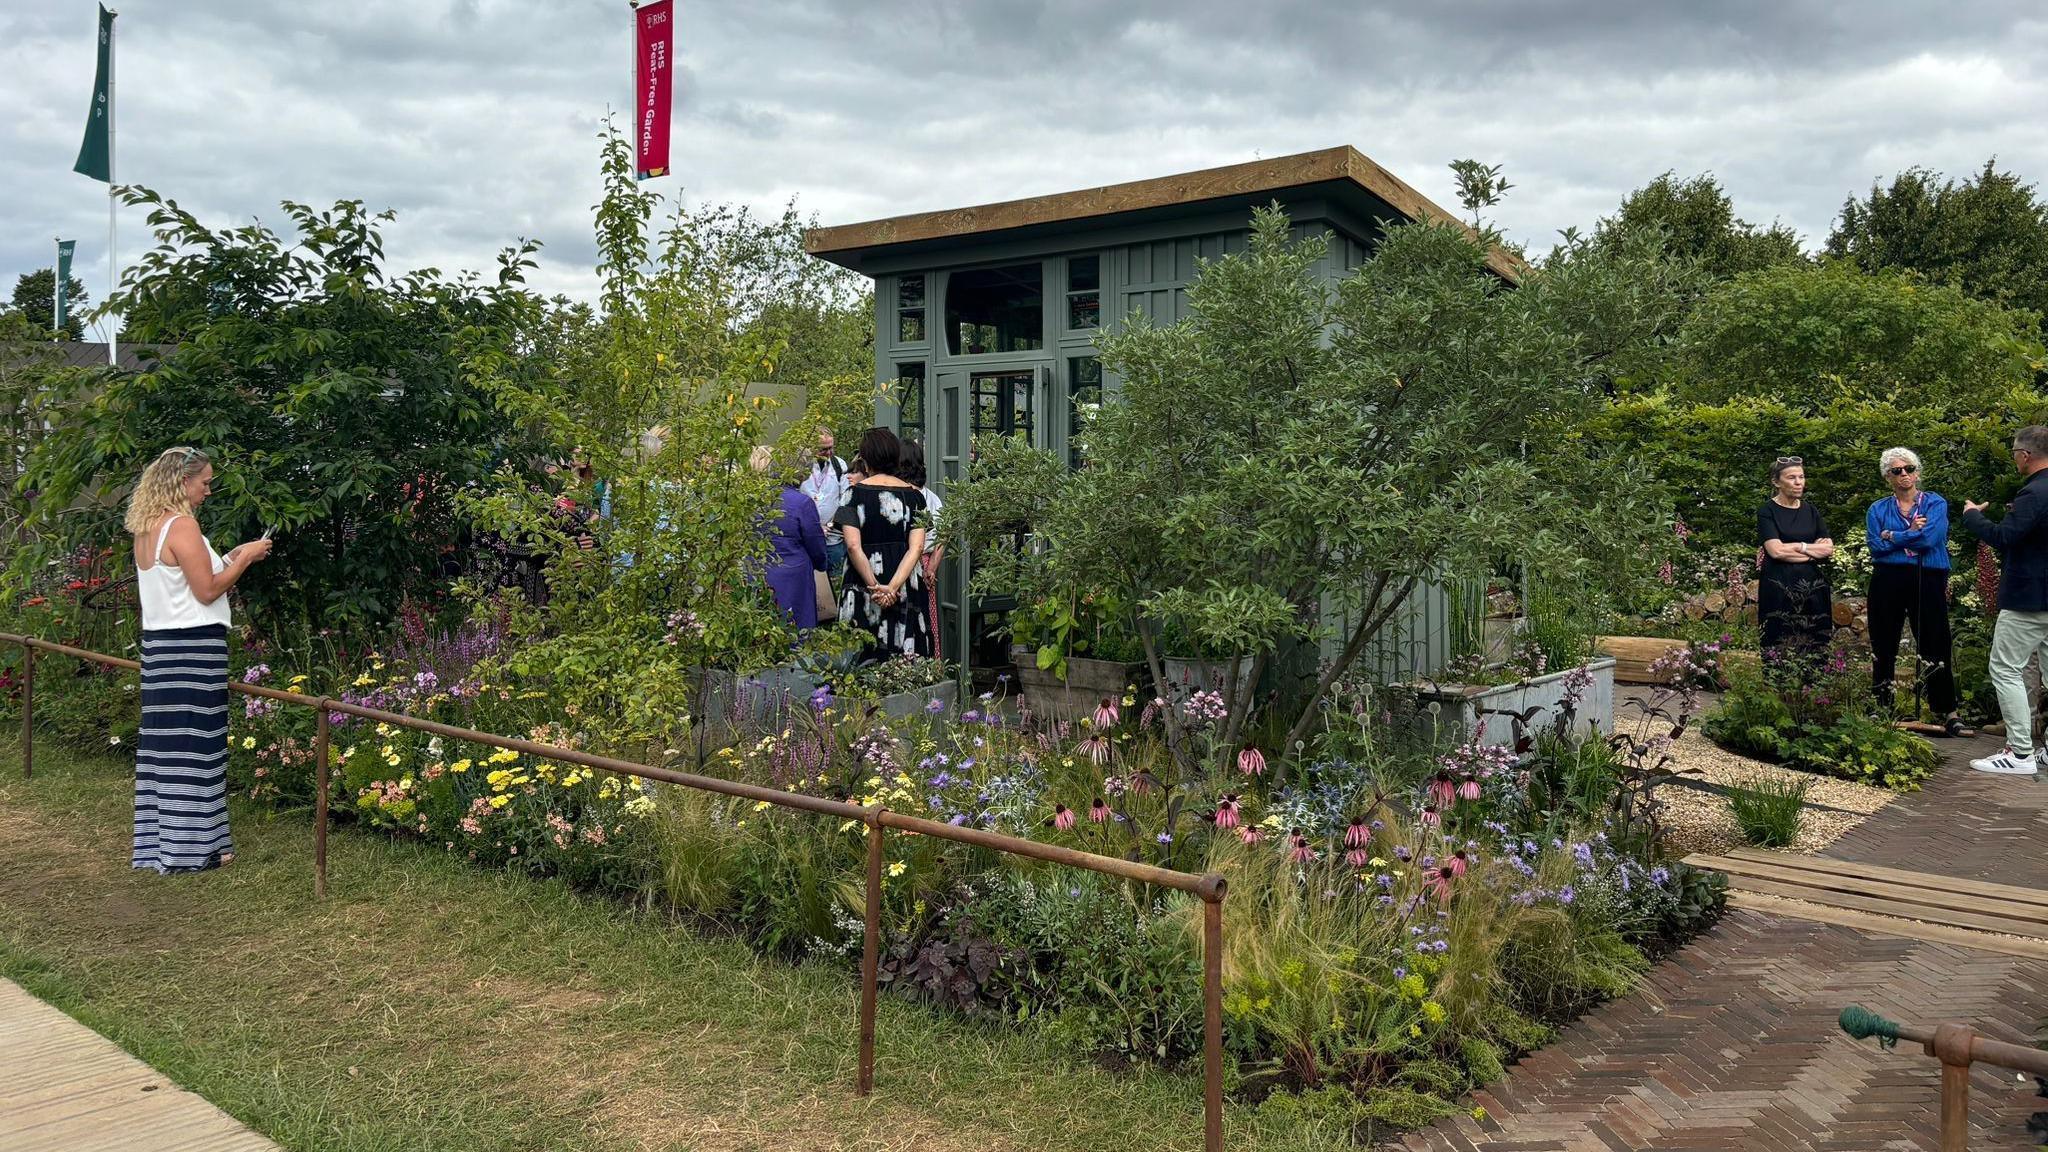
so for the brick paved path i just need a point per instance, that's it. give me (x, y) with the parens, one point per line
(1963, 823)
(1732, 1042)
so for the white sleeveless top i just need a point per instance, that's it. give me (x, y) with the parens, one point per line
(167, 599)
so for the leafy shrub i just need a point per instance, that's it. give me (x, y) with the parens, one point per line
(1752, 720)
(1769, 810)
(307, 370)
(889, 677)
(1862, 750)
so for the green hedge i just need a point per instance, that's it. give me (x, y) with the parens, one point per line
(1715, 458)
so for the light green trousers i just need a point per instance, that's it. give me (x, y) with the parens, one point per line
(2016, 638)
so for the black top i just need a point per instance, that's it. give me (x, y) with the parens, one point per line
(1801, 525)
(2022, 542)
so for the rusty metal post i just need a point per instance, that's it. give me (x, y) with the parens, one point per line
(1212, 1022)
(870, 954)
(1952, 1044)
(320, 788)
(28, 711)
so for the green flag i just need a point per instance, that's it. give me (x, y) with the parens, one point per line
(63, 306)
(96, 154)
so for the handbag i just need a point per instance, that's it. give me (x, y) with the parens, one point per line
(828, 605)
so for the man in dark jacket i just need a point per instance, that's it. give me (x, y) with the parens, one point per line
(2021, 634)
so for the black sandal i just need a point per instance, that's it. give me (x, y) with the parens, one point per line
(1953, 726)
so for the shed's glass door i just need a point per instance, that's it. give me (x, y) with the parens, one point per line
(1004, 404)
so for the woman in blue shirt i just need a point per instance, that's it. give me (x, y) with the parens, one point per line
(1908, 533)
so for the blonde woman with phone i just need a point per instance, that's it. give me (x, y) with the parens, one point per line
(181, 750)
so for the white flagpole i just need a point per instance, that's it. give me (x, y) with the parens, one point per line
(57, 288)
(113, 286)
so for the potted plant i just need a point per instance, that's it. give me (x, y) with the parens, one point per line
(1072, 651)
(1495, 704)
(1551, 667)
(902, 686)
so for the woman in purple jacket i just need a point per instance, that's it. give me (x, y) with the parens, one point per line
(797, 546)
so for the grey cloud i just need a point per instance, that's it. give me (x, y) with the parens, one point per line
(476, 119)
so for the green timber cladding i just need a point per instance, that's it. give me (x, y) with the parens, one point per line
(986, 319)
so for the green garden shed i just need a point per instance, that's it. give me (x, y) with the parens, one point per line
(986, 317)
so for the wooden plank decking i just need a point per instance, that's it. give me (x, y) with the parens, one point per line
(1943, 909)
(65, 1088)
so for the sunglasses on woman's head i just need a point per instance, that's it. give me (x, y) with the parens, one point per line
(1902, 469)
(1786, 461)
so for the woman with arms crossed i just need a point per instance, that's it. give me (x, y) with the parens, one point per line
(1908, 532)
(1794, 602)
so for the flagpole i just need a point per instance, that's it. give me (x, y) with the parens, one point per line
(113, 285)
(57, 289)
(633, 82)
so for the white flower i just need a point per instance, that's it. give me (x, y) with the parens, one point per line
(112, 741)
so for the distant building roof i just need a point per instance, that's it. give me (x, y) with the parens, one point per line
(93, 354)
(1343, 170)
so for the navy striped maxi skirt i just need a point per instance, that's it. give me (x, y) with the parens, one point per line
(181, 752)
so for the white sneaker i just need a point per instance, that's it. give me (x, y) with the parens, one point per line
(2006, 763)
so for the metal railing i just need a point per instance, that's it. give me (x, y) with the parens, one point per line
(1957, 1046)
(1208, 888)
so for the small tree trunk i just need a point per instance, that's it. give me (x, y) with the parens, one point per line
(1368, 627)
(1239, 716)
(1175, 739)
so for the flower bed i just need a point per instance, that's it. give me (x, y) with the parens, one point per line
(1816, 715)
(1396, 928)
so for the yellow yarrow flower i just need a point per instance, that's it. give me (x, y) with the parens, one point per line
(500, 801)
(897, 868)
(459, 766)
(248, 742)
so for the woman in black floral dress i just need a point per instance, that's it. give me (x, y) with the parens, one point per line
(884, 521)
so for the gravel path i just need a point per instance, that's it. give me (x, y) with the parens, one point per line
(1697, 821)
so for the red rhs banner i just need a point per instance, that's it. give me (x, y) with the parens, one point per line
(653, 41)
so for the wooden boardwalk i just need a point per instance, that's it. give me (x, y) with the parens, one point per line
(65, 1088)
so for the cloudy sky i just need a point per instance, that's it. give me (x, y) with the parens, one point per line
(476, 119)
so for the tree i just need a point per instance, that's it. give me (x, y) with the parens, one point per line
(655, 388)
(1987, 235)
(1814, 336)
(1286, 447)
(1699, 223)
(332, 395)
(34, 297)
